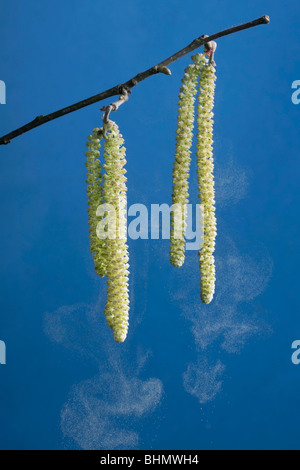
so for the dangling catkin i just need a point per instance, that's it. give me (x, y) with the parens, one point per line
(205, 170)
(181, 168)
(95, 198)
(114, 190)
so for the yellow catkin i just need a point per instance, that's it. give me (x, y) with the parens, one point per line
(95, 198)
(205, 168)
(117, 269)
(181, 167)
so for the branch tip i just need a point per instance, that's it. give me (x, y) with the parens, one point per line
(266, 19)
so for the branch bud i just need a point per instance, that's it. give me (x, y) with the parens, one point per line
(164, 69)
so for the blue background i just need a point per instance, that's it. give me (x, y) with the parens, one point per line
(189, 376)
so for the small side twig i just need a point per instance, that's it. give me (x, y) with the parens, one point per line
(114, 106)
(210, 49)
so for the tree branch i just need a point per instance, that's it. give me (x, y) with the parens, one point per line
(119, 89)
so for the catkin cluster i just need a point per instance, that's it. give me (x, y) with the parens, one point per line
(181, 167)
(205, 172)
(110, 251)
(203, 72)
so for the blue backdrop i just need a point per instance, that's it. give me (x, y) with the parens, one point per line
(189, 376)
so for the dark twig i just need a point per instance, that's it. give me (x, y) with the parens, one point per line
(119, 89)
(114, 106)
